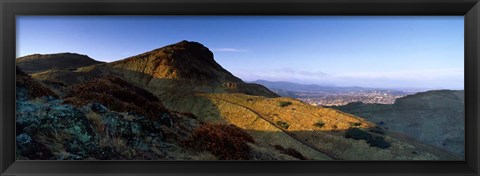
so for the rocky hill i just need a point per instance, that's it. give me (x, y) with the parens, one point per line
(435, 117)
(184, 64)
(62, 61)
(212, 114)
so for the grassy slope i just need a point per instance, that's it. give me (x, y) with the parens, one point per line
(434, 117)
(259, 116)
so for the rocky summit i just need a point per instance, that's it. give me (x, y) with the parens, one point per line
(187, 64)
(181, 61)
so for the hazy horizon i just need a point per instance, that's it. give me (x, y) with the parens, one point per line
(381, 52)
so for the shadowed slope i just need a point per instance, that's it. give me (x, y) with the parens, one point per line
(33, 88)
(116, 94)
(435, 117)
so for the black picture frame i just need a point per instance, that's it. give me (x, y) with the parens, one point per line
(470, 9)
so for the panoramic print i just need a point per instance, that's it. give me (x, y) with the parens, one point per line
(240, 88)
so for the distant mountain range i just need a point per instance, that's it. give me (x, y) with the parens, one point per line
(289, 86)
(290, 89)
(296, 87)
(177, 103)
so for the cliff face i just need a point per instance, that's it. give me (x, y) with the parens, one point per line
(435, 117)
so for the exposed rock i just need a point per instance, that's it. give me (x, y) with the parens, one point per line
(49, 128)
(97, 107)
(23, 139)
(53, 130)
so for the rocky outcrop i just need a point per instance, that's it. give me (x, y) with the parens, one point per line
(52, 130)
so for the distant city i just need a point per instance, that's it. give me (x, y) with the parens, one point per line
(343, 98)
(328, 95)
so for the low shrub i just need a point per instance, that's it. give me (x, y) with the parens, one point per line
(357, 134)
(319, 124)
(283, 124)
(377, 130)
(117, 95)
(374, 141)
(355, 124)
(226, 142)
(188, 114)
(284, 103)
(96, 120)
(290, 151)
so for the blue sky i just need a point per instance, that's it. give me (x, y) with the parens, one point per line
(370, 51)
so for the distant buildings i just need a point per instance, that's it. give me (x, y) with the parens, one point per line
(343, 98)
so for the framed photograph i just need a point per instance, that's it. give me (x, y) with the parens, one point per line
(239, 87)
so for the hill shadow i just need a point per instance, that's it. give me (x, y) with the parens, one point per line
(360, 145)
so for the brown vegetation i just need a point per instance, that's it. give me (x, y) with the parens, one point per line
(290, 151)
(117, 95)
(226, 142)
(34, 88)
(95, 120)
